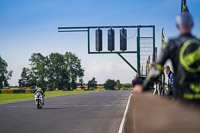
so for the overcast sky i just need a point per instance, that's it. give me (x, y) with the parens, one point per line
(31, 26)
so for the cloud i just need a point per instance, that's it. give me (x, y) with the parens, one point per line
(108, 69)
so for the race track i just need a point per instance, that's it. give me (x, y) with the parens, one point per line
(96, 112)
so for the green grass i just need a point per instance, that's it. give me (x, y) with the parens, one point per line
(6, 98)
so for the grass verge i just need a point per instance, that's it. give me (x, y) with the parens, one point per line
(6, 98)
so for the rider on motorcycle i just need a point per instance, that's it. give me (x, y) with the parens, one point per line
(42, 92)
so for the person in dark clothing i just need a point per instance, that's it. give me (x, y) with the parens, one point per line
(170, 74)
(184, 53)
(136, 81)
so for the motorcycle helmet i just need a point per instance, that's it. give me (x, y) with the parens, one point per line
(39, 90)
(184, 20)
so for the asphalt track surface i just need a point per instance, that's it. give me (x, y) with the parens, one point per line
(96, 112)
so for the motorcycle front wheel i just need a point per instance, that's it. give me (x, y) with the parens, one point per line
(38, 104)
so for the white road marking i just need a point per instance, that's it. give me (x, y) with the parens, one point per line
(124, 116)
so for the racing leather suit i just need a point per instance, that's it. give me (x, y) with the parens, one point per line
(184, 53)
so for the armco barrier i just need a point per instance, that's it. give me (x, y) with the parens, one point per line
(6, 91)
(18, 91)
(10, 91)
(28, 91)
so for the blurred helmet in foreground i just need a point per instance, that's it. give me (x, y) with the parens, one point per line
(184, 20)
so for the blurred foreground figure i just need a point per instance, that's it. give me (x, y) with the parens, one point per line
(184, 53)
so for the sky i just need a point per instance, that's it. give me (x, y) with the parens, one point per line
(31, 26)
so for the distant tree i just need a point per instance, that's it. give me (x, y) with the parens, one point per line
(73, 65)
(118, 85)
(110, 84)
(92, 84)
(74, 84)
(64, 70)
(25, 78)
(81, 83)
(39, 69)
(56, 74)
(5, 75)
(53, 71)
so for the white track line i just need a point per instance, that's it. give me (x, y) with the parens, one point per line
(124, 116)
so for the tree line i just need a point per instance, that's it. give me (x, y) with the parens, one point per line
(52, 71)
(61, 71)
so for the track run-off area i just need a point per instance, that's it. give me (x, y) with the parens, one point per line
(96, 112)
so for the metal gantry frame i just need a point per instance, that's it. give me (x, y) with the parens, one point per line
(138, 27)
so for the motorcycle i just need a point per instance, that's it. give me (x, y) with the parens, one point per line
(39, 100)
